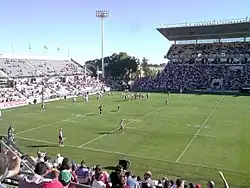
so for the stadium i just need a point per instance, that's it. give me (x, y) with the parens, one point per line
(201, 131)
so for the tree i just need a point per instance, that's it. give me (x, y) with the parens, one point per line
(120, 66)
(145, 67)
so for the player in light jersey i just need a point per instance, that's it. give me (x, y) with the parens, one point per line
(0, 114)
(87, 97)
(60, 137)
(11, 137)
(118, 108)
(166, 102)
(74, 100)
(121, 129)
(43, 107)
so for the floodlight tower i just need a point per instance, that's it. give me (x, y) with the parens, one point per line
(102, 14)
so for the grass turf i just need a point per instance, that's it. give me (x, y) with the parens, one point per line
(193, 137)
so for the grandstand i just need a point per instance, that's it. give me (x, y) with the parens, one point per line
(207, 56)
(203, 57)
(27, 66)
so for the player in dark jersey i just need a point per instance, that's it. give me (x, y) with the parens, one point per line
(100, 109)
(118, 108)
(43, 107)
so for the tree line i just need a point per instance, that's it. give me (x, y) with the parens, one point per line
(123, 66)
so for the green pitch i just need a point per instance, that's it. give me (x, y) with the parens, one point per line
(194, 137)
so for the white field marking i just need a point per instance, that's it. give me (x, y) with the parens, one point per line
(43, 126)
(97, 138)
(201, 127)
(60, 107)
(139, 130)
(69, 121)
(25, 113)
(8, 110)
(137, 156)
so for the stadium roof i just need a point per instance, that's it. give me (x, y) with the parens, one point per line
(207, 30)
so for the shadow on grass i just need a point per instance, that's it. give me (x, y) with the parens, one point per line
(92, 114)
(105, 132)
(42, 146)
(113, 111)
(109, 168)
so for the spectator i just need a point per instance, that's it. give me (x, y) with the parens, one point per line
(33, 181)
(130, 181)
(97, 182)
(9, 165)
(83, 174)
(59, 159)
(115, 177)
(102, 175)
(65, 178)
(148, 182)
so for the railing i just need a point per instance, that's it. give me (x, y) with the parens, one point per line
(204, 23)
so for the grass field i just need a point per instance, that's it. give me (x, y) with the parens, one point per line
(194, 137)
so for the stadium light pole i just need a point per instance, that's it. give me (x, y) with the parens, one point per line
(102, 14)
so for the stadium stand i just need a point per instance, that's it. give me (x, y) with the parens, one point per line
(212, 58)
(216, 65)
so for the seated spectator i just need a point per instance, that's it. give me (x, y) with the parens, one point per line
(148, 182)
(9, 166)
(32, 181)
(65, 178)
(130, 181)
(116, 177)
(83, 173)
(59, 159)
(102, 176)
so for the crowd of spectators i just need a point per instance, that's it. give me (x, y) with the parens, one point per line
(10, 95)
(57, 86)
(199, 66)
(65, 173)
(51, 87)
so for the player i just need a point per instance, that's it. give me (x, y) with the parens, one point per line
(147, 95)
(60, 138)
(74, 100)
(43, 107)
(87, 97)
(166, 102)
(168, 93)
(121, 129)
(0, 114)
(11, 137)
(100, 109)
(118, 108)
(180, 90)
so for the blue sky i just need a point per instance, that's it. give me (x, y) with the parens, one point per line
(131, 26)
